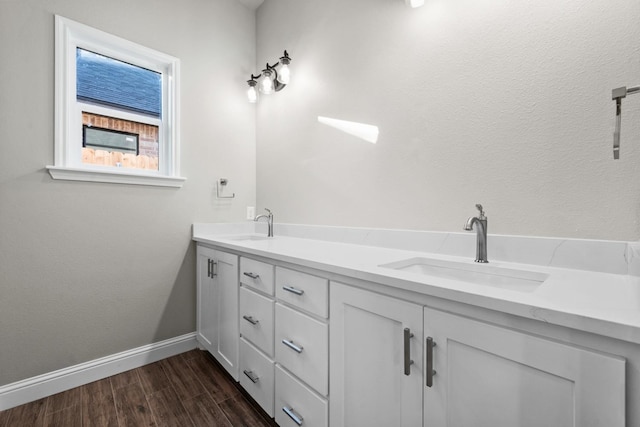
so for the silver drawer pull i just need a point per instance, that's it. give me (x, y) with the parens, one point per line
(250, 319)
(292, 346)
(252, 275)
(293, 290)
(292, 414)
(253, 377)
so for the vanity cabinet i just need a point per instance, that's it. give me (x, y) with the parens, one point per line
(217, 306)
(488, 375)
(318, 353)
(376, 359)
(481, 374)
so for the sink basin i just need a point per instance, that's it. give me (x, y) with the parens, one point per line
(481, 274)
(248, 237)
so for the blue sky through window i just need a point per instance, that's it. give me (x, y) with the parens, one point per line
(114, 83)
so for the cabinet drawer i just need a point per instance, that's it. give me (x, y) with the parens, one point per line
(293, 397)
(257, 275)
(310, 293)
(257, 376)
(302, 346)
(256, 319)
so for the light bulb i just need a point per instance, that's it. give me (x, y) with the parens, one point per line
(252, 94)
(266, 85)
(284, 75)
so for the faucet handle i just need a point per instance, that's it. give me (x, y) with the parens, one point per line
(268, 210)
(479, 207)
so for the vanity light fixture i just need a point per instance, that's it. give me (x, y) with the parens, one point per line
(414, 3)
(270, 80)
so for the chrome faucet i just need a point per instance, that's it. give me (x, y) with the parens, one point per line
(480, 222)
(269, 221)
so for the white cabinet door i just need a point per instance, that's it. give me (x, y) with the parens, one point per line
(368, 382)
(217, 318)
(204, 319)
(491, 376)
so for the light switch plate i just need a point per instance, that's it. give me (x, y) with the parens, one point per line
(251, 212)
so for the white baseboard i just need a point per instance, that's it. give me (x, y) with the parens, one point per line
(35, 388)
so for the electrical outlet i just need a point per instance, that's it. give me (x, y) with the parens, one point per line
(251, 212)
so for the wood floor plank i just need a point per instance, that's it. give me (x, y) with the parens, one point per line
(4, 418)
(132, 407)
(63, 400)
(29, 414)
(167, 409)
(241, 414)
(71, 416)
(182, 378)
(190, 354)
(124, 379)
(98, 406)
(203, 411)
(153, 378)
(217, 384)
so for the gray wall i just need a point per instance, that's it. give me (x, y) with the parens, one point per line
(88, 269)
(502, 102)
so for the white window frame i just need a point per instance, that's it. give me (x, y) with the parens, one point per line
(70, 35)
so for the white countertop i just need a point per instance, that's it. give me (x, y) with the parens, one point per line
(602, 303)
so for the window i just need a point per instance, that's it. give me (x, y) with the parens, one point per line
(116, 110)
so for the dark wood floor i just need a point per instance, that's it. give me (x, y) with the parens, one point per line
(190, 389)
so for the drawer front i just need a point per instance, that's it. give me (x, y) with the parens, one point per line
(305, 407)
(257, 376)
(302, 346)
(256, 319)
(257, 275)
(310, 293)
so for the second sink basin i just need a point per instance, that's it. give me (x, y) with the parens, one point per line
(481, 274)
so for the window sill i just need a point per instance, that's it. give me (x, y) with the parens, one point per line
(114, 177)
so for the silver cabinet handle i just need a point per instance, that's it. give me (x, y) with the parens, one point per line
(292, 346)
(209, 267)
(430, 372)
(407, 351)
(292, 414)
(252, 275)
(250, 319)
(214, 264)
(293, 290)
(253, 377)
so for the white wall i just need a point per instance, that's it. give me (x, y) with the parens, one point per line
(501, 102)
(87, 269)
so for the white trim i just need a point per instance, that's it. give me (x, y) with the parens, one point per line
(114, 176)
(35, 388)
(70, 35)
(110, 112)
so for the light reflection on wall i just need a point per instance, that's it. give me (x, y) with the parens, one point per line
(363, 131)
